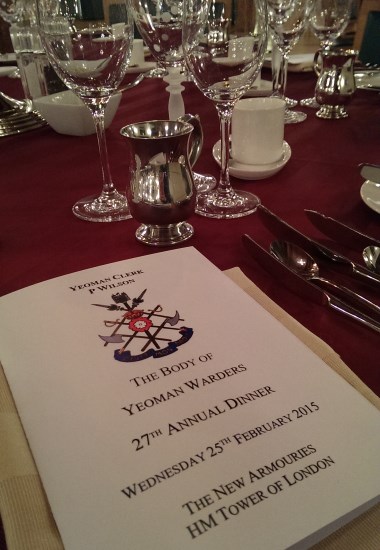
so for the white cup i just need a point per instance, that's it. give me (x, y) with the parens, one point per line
(137, 55)
(257, 130)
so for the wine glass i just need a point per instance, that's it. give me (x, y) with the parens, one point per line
(277, 65)
(90, 53)
(287, 20)
(224, 71)
(10, 10)
(328, 19)
(160, 24)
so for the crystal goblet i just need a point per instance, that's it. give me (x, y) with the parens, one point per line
(287, 20)
(90, 52)
(224, 72)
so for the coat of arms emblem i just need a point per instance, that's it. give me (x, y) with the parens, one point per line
(143, 332)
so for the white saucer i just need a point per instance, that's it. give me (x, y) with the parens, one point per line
(254, 171)
(370, 194)
(143, 68)
(264, 88)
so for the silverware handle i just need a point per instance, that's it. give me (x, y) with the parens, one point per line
(344, 293)
(352, 313)
(366, 274)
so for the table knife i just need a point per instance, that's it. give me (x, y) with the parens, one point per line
(370, 172)
(339, 231)
(304, 288)
(280, 228)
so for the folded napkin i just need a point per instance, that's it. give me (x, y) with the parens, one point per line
(25, 513)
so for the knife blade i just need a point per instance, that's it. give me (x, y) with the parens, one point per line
(304, 288)
(287, 232)
(370, 172)
(339, 231)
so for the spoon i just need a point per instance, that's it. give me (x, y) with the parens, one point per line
(371, 256)
(304, 265)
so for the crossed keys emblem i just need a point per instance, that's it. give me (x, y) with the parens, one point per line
(143, 333)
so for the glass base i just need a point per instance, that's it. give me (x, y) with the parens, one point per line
(294, 117)
(290, 103)
(99, 209)
(204, 183)
(310, 102)
(332, 112)
(164, 235)
(235, 204)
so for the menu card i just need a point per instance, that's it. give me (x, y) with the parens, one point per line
(165, 408)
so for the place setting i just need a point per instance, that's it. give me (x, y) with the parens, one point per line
(214, 350)
(316, 271)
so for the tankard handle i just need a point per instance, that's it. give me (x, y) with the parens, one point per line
(196, 142)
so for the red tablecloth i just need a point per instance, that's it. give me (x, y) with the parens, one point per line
(44, 173)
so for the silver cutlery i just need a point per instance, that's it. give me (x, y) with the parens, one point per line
(339, 231)
(348, 235)
(17, 116)
(287, 232)
(304, 288)
(304, 265)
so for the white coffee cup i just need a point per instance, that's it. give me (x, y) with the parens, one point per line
(137, 55)
(257, 130)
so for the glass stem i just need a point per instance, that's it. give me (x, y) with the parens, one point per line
(225, 115)
(97, 108)
(283, 76)
(277, 71)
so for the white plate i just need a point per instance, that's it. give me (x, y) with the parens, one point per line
(368, 80)
(264, 88)
(146, 66)
(370, 193)
(254, 171)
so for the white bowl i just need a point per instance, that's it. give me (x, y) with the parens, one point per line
(67, 114)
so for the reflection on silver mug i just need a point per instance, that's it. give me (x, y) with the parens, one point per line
(161, 193)
(336, 81)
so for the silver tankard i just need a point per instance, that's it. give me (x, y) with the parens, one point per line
(161, 192)
(336, 81)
